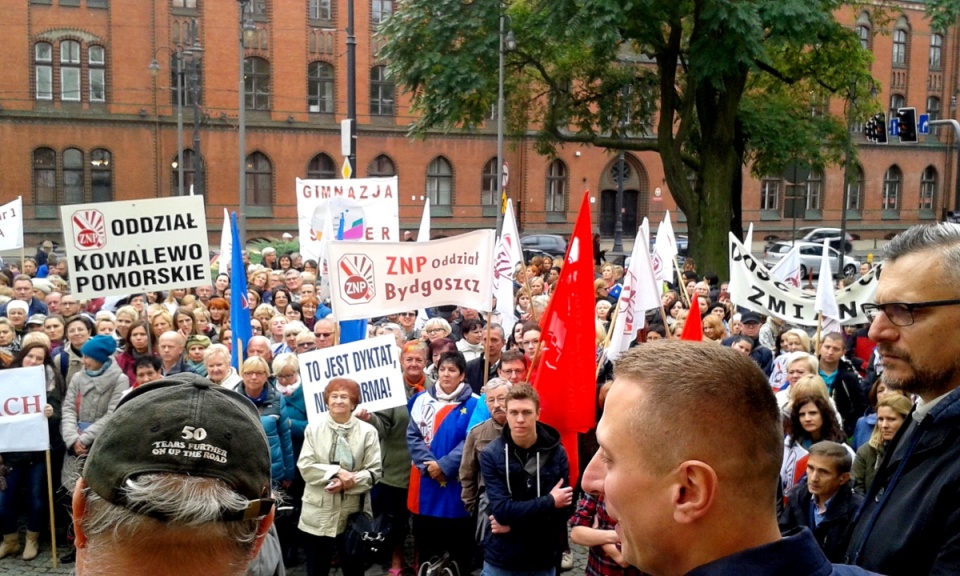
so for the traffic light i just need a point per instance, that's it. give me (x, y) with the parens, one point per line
(907, 123)
(875, 129)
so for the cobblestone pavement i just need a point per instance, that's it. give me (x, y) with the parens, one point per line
(42, 565)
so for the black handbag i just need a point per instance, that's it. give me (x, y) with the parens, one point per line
(366, 536)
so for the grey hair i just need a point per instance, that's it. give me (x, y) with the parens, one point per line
(286, 360)
(942, 236)
(216, 350)
(294, 327)
(437, 322)
(800, 356)
(494, 383)
(188, 503)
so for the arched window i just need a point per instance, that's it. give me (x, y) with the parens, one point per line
(770, 194)
(901, 33)
(70, 71)
(381, 92)
(320, 93)
(440, 182)
(896, 101)
(45, 176)
(936, 51)
(381, 167)
(928, 189)
(815, 191)
(259, 180)
(256, 83)
(72, 176)
(892, 183)
(101, 175)
(321, 167)
(43, 61)
(556, 197)
(96, 63)
(863, 30)
(189, 173)
(489, 190)
(855, 192)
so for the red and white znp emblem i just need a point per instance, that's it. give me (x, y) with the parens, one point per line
(357, 284)
(89, 230)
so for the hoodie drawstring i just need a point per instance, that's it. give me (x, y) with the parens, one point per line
(538, 474)
(506, 465)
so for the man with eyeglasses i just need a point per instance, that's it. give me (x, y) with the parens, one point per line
(325, 332)
(910, 520)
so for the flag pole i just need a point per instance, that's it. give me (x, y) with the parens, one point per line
(606, 339)
(533, 362)
(486, 357)
(819, 328)
(53, 528)
(683, 286)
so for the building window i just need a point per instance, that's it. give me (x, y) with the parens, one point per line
(936, 51)
(770, 194)
(815, 191)
(190, 97)
(45, 176)
(185, 4)
(101, 175)
(900, 34)
(381, 167)
(440, 182)
(933, 111)
(320, 10)
(256, 82)
(380, 10)
(896, 102)
(259, 180)
(892, 181)
(855, 193)
(556, 197)
(862, 29)
(43, 57)
(928, 188)
(72, 176)
(381, 92)
(321, 167)
(489, 191)
(70, 71)
(96, 61)
(189, 172)
(320, 93)
(259, 8)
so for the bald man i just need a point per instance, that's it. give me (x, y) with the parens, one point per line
(170, 348)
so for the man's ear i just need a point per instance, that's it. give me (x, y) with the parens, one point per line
(844, 479)
(265, 523)
(694, 491)
(79, 509)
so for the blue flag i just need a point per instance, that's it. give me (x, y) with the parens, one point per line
(239, 302)
(350, 330)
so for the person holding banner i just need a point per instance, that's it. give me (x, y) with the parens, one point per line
(439, 417)
(27, 470)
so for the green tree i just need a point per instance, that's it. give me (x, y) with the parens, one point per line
(710, 85)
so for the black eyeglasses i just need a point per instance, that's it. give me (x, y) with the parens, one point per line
(901, 313)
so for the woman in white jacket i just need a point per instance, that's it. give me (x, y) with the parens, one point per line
(340, 463)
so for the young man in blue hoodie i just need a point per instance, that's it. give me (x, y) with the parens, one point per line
(527, 478)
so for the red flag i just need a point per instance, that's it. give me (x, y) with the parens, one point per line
(566, 372)
(693, 327)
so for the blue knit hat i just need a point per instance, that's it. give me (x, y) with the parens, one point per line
(100, 348)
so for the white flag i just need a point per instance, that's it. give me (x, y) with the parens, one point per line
(639, 294)
(787, 269)
(664, 250)
(748, 238)
(226, 245)
(826, 297)
(11, 225)
(506, 257)
(323, 264)
(423, 235)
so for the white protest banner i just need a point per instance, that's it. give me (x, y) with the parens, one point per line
(508, 256)
(116, 248)
(640, 293)
(369, 279)
(23, 396)
(370, 206)
(373, 363)
(11, 225)
(753, 287)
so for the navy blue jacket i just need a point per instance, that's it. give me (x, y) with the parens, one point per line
(833, 533)
(519, 494)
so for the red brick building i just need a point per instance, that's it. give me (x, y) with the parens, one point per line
(83, 118)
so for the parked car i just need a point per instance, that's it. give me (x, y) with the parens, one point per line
(810, 255)
(552, 244)
(812, 234)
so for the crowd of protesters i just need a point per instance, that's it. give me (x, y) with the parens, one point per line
(484, 483)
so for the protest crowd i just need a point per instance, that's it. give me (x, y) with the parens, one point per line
(465, 462)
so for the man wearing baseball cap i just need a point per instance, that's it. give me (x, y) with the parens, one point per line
(751, 327)
(178, 483)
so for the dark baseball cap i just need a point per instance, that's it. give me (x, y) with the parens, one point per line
(184, 424)
(748, 317)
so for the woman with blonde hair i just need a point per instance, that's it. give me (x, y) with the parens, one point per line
(127, 316)
(713, 329)
(892, 411)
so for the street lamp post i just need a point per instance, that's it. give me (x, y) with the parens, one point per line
(507, 42)
(352, 89)
(194, 53)
(246, 27)
(618, 204)
(154, 68)
(956, 139)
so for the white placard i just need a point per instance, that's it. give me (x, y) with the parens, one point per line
(369, 279)
(753, 287)
(373, 363)
(11, 225)
(370, 207)
(117, 248)
(23, 396)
